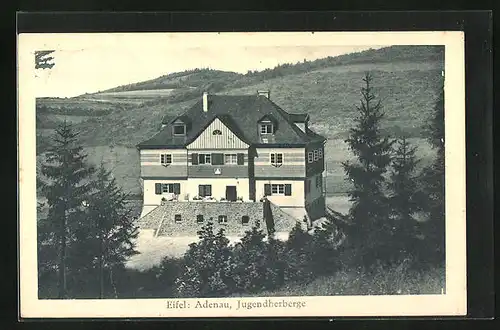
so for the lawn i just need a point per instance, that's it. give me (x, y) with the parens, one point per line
(393, 281)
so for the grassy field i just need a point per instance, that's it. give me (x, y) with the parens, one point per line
(148, 93)
(397, 280)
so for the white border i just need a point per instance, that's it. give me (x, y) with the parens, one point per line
(451, 303)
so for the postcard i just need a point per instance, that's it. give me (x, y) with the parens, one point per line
(263, 174)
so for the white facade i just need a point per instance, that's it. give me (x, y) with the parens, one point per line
(296, 199)
(189, 188)
(315, 188)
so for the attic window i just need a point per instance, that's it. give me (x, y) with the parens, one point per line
(266, 128)
(217, 132)
(179, 129)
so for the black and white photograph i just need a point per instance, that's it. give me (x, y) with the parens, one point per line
(242, 174)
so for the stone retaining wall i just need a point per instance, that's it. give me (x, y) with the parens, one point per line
(186, 223)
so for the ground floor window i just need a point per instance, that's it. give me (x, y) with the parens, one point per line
(178, 218)
(245, 219)
(199, 218)
(205, 190)
(278, 189)
(163, 188)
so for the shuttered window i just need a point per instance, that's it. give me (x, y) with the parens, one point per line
(278, 189)
(158, 188)
(167, 188)
(204, 158)
(217, 159)
(241, 159)
(204, 190)
(267, 189)
(174, 188)
(194, 159)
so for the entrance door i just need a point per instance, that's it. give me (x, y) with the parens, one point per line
(231, 193)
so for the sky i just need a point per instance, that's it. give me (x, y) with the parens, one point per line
(100, 62)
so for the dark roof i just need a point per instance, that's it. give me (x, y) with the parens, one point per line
(298, 117)
(241, 114)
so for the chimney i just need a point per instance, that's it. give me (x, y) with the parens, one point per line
(205, 101)
(264, 93)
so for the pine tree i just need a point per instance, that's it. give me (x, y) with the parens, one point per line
(434, 185)
(66, 187)
(370, 209)
(405, 199)
(108, 236)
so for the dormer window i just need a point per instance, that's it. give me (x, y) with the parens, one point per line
(266, 128)
(179, 129)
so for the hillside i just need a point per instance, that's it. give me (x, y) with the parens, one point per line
(406, 79)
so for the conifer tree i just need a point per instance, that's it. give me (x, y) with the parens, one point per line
(66, 186)
(108, 236)
(369, 211)
(434, 185)
(404, 198)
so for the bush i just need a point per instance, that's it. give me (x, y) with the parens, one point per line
(207, 266)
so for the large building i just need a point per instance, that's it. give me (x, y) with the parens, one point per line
(242, 148)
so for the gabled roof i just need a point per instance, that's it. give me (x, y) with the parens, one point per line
(298, 117)
(267, 117)
(240, 113)
(183, 118)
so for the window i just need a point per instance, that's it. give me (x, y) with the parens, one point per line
(316, 155)
(310, 157)
(178, 218)
(161, 188)
(217, 132)
(266, 128)
(179, 129)
(205, 190)
(320, 153)
(230, 159)
(277, 189)
(245, 220)
(222, 218)
(204, 159)
(276, 159)
(166, 159)
(199, 218)
(167, 188)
